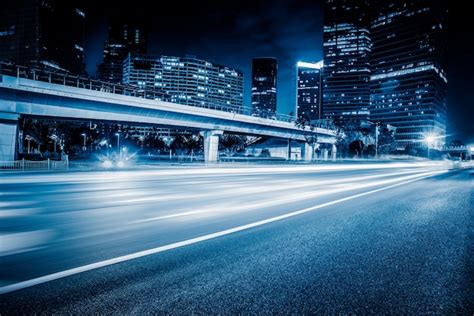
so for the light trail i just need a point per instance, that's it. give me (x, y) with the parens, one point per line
(100, 176)
(341, 187)
(104, 263)
(129, 195)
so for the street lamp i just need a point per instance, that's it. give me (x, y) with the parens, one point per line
(55, 138)
(377, 139)
(168, 141)
(84, 147)
(29, 138)
(118, 141)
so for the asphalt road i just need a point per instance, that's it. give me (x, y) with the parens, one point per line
(392, 238)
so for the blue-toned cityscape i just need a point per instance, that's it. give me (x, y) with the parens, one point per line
(255, 157)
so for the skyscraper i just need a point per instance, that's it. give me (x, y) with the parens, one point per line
(308, 86)
(47, 34)
(264, 86)
(122, 38)
(187, 80)
(408, 62)
(347, 46)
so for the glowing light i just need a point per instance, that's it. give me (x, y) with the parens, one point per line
(430, 138)
(120, 164)
(107, 164)
(303, 64)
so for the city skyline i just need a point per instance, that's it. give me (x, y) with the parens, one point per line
(236, 157)
(233, 35)
(237, 41)
(236, 34)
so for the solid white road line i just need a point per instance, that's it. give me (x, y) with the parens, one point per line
(101, 264)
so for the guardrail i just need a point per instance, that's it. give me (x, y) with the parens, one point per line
(67, 79)
(34, 165)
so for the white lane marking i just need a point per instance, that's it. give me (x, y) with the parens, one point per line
(101, 264)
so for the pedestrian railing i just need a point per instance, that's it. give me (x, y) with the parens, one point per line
(34, 165)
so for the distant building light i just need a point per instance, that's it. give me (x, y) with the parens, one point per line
(81, 13)
(303, 64)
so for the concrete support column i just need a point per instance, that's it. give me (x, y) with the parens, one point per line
(288, 150)
(334, 152)
(211, 145)
(308, 152)
(325, 154)
(8, 135)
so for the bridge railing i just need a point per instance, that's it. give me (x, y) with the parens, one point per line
(67, 79)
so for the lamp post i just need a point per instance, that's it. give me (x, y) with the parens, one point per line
(168, 141)
(84, 147)
(376, 140)
(28, 138)
(55, 138)
(118, 142)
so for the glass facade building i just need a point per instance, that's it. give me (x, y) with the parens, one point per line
(408, 63)
(308, 96)
(264, 86)
(122, 38)
(347, 46)
(47, 34)
(187, 80)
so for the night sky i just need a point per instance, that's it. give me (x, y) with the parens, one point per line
(232, 33)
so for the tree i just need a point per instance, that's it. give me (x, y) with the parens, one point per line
(386, 140)
(356, 147)
(232, 143)
(179, 144)
(194, 143)
(265, 153)
(154, 142)
(311, 137)
(347, 132)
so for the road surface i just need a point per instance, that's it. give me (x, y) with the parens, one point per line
(370, 238)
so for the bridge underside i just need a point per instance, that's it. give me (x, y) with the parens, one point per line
(16, 102)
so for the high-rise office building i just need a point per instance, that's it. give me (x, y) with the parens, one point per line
(347, 46)
(47, 34)
(122, 38)
(308, 90)
(264, 86)
(408, 68)
(187, 80)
